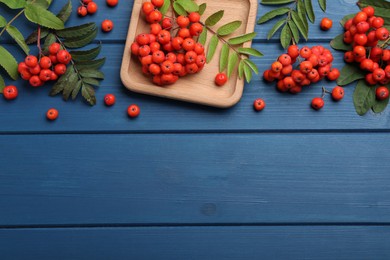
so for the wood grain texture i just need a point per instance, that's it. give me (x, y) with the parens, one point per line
(194, 178)
(200, 87)
(340, 242)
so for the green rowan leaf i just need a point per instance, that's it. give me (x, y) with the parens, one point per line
(165, 7)
(86, 55)
(229, 28)
(82, 41)
(179, 9)
(247, 73)
(91, 81)
(224, 57)
(285, 37)
(380, 105)
(88, 92)
(18, 37)
(375, 3)
(349, 74)
(76, 31)
(214, 18)
(188, 5)
(59, 86)
(250, 52)
(241, 69)
(2, 84)
(33, 37)
(76, 90)
(300, 25)
(310, 11)
(242, 38)
(202, 8)
(322, 4)
(363, 97)
(14, 4)
(71, 83)
(338, 43)
(37, 14)
(252, 65)
(94, 64)
(272, 14)
(276, 2)
(65, 12)
(203, 37)
(43, 3)
(9, 63)
(301, 10)
(294, 31)
(92, 73)
(232, 63)
(275, 28)
(212, 48)
(3, 22)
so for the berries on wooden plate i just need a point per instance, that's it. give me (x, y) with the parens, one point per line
(220, 79)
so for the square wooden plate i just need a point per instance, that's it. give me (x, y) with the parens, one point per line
(199, 88)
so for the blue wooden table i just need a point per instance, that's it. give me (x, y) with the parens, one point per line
(184, 181)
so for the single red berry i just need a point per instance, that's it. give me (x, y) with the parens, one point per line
(82, 11)
(45, 75)
(107, 25)
(317, 103)
(60, 69)
(158, 3)
(31, 61)
(293, 51)
(326, 24)
(45, 62)
(259, 104)
(112, 2)
(133, 111)
(369, 10)
(22, 67)
(92, 8)
(167, 23)
(63, 57)
(35, 81)
(52, 114)
(182, 21)
(109, 99)
(147, 8)
(220, 79)
(53, 76)
(382, 93)
(35, 70)
(382, 34)
(338, 93)
(10, 92)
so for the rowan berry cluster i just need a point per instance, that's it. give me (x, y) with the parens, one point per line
(38, 70)
(364, 31)
(314, 64)
(87, 7)
(170, 49)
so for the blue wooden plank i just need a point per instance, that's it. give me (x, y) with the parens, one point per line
(330, 242)
(283, 112)
(194, 178)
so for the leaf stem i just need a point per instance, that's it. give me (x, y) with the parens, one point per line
(385, 43)
(39, 41)
(11, 21)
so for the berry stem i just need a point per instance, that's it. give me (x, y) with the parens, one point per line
(39, 41)
(385, 43)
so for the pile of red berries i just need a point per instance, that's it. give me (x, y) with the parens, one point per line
(314, 64)
(170, 49)
(364, 31)
(46, 68)
(87, 7)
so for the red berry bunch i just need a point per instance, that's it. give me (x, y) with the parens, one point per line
(39, 70)
(364, 31)
(170, 49)
(314, 64)
(87, 7)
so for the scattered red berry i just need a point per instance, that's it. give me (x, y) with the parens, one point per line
(382, 93)
(109, 99)
(52, 114)
(259, 104)
(10, 92)
(133, 111)
(107, 25)
(220, 79)
(326, 24)
(317, 103)
(92, 7)
(337, 93)
(112, 2)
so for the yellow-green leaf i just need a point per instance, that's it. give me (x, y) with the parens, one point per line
(202, 8)
(300, 25)
(252, 65)
(276, 2)
(322, 4)
(2, 84)
(241, 69)
(179, 9)
(43, 17)
(250, 52)
(229, 28)
(224, 57)
(275, 28)
(14, 4)
(232, 63)
(9, 63)
(164, 8)
(272, 14)
(214, 18)
(247, 73)
(242, 38)
(18, 37)
(203, 37)
(188, 5)
(3, 22)
(212, 48)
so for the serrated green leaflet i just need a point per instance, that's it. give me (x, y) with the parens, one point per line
(88, 93)
(300, 25)
(363, 97)
(2, 84)
(50, 39)
(188, 5)
(241, 69)
(242, 38)
(322, 4)
(212, 48)
(202, 8)
(276, 2)
(82, 41)
(179, 9)
(275, 28)
(3, 22)
(59, 86)
(301, 10)
(43, 3)
(76, 90)
(375, 3)
(33, 37)
(285, 37)
(232, 63)
(229, 28)
(203, 37)
(65, 12)
(9, 63)
(338, 43)
(252, 65)
(310, 11)
(70, 84)
(214, 18)
(247, 73)
(165, 7)
(272, 14)
(14, 4)
(92, 73)
(294, 31)
(18, 37)
(93, 64)
(86, 55)
(76, 31)
(250, 52)
(224, 57)
(380, 105)
(91, 81)
(349, 74)
(41, 16)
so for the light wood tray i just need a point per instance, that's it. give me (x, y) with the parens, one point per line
(199, 88)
